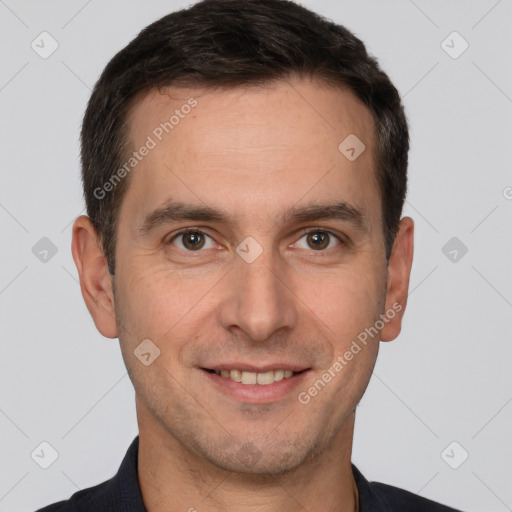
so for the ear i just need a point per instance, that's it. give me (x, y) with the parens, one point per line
(399, 270)
(95, 280)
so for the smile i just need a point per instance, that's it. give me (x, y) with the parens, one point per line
(262, 378)
(257, 385)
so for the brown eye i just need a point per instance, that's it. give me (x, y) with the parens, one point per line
(318, 240)
(192, 240)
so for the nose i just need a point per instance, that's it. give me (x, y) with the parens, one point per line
(258, 299)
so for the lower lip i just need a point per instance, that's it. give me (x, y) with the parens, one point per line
(256, 393)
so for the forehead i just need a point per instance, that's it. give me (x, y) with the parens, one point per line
(265, 147)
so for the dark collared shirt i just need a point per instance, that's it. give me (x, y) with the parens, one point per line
(122, 494)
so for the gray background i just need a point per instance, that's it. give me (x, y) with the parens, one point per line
(446, 378)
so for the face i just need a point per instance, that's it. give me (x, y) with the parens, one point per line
(280, 270)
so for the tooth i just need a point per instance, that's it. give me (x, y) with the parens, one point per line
(248, 378)
(278, 375)
(265, 378)
(236, 375)
(217, 372)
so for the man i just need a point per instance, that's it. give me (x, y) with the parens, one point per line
(244, 169)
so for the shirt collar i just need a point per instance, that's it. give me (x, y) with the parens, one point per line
(126, 486)
(369, 500)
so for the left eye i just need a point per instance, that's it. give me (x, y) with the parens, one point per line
(320, 240)
(192, 241)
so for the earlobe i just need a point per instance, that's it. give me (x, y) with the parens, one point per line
(399, 271)
(95, 280)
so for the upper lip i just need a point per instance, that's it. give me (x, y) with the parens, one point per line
(245, 367)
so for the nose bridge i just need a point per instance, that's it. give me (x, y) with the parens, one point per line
(259, 301)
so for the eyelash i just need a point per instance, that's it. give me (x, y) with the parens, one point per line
(303, 233)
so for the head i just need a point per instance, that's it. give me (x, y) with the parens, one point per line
(272, 136)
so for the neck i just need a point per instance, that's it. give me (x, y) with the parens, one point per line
(173, 478)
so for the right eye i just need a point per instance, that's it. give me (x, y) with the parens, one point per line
(191, 240)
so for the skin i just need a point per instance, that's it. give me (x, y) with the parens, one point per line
(252, 152)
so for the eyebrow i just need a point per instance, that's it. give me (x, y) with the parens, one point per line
(173, 211)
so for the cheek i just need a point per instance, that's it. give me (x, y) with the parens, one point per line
(347, 301)
(157, 300)
(152, 306)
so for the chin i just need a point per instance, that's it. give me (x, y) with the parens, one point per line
(272, 457)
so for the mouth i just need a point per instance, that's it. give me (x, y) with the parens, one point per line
(252, 377)
(256, 385)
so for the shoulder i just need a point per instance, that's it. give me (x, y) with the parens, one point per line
(119, 493)
(400, 499)
(85, 500)
(380, 497)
